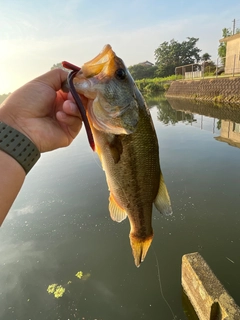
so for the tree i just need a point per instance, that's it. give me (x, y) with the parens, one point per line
(139, 71)
(222, 48)
(206, 57)
(59, 66)
(207, 64)
(3, 97)
(170, 55)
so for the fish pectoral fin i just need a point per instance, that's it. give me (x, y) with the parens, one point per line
(117, 213)
(162, 201)
(116, 148)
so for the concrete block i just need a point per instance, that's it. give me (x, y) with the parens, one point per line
(205, 292)
(206, 89)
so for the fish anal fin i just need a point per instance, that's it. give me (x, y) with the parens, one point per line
(162, 201)
(116, 212)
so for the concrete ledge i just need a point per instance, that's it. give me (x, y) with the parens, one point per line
(205, 292)
(218, 90)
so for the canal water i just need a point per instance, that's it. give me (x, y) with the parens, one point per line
(59, 225)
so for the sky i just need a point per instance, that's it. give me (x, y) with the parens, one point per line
(34, 35)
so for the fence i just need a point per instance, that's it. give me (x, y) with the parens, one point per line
(193, 74)
(227, 66)
(189, 71)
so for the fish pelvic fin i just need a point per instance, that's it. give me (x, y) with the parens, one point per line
(162, 201)
(116, 212)
(140, 248)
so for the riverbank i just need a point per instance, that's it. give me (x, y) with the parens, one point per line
(217, 90)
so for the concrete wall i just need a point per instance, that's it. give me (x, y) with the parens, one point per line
(217, 89)
(232, 63)
(205, 292)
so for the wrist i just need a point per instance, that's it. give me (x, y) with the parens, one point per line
(12, 178)
(9, 116)
(12, 164)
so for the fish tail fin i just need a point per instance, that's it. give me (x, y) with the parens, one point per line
(162, 201)
(139, 248)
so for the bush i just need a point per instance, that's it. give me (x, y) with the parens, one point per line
(155, 85)
(166, 86)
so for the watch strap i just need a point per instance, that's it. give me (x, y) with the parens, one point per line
(18, 146)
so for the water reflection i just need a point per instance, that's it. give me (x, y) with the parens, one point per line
(230, 133)
(188, 308)
(60, 224)
(226, 112)
(224, 120)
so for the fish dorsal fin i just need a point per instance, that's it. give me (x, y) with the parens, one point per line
(162, 201)
(117, 214)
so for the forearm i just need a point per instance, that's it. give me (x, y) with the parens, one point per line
(12, 177)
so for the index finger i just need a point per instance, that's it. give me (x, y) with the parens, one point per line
(53, 78)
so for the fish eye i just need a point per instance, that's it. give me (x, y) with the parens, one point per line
(120, 74)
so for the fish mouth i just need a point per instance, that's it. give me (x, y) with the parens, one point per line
(104, 65)
(104, 61)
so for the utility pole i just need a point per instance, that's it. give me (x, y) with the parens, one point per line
(234, 24)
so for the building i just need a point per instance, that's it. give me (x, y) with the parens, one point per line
(232, 64)
(146, 64)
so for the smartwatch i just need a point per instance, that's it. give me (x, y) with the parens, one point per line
(18, 146)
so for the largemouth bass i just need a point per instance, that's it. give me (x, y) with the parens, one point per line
(126, 143)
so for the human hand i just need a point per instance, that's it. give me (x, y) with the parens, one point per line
(43, 112)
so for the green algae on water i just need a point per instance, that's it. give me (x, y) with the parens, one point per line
(59, 290)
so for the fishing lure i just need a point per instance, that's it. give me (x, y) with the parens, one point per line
(78, 101)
